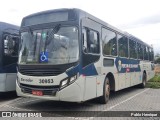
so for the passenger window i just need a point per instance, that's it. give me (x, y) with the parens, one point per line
(90, 41)
(140, 51)
(151, 54)
(133, 49)
(146, 53)
(109, 42)
(123, 46)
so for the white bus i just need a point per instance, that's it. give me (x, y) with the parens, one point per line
(9, 41)
(70, 55)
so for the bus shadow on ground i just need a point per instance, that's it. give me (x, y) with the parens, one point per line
(7, 95)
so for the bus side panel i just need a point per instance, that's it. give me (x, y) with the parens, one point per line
(133, 78)
(70, 93)
(121, 80)
(146, 66)
(90, 87)
(128, 79)
(100, 83)
(151, 72)
(2, 82)
(116, 82)
(138, 77)
(11, 82)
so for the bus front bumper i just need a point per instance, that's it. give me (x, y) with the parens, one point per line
(70, 93)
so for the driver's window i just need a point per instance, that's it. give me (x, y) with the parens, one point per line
(90, 41)
(84, 35)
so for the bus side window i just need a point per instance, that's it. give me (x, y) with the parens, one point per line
(146, 53)
(140, 51)
(123, 46)
(11, 45)
(93, 42)
(109, 42)
(133, 49)
(151, 54)
(90, 41)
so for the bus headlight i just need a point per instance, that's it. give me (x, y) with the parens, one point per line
(67, 81)
(64, 82)
(72, 79)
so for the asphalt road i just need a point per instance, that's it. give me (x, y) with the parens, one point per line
(130, 99)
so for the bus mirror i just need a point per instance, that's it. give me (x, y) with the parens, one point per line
(85, 49)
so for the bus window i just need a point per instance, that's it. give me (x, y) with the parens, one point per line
(92, 42)
(146, 53)
(140, 51)
(84, 31)
(123, 46)
(10, 45)
(151, 55)
(133, 49)
(109, 42)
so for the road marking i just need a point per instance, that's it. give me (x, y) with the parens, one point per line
(90, 118)
(126, 100)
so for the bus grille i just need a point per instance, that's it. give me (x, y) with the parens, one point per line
(47, 90)
(41, 72)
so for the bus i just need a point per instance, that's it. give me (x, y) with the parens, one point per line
(70, 55)
(9, 40)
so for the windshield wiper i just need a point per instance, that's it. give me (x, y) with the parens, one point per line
(31, 37)
(54, 30)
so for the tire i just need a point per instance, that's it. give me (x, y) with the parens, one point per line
(143, 84)
(106, 92)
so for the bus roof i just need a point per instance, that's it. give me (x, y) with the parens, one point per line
(8, 28)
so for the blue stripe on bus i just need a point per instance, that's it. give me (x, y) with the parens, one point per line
(73, 71)
(124, 65)
(89, 70)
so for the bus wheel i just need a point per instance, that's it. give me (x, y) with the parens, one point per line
(106, 92)
(143, 84)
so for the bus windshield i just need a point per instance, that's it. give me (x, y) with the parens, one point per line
(58, 45)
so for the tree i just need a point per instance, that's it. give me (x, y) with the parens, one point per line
(157, 60)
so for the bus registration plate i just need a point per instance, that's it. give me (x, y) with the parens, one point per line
(37, 92)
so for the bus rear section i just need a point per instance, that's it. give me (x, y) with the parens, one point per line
(9, 44)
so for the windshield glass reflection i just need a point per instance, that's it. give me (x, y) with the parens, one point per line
(49, 46)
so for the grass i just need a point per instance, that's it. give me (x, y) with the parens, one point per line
(154, 82)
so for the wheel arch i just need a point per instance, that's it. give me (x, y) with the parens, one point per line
(145, 73)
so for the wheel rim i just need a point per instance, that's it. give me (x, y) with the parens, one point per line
(107, 89)
(144, 79)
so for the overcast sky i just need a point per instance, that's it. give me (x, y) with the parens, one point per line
(141, 18)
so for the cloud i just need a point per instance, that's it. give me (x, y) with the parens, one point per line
(154, 19)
